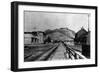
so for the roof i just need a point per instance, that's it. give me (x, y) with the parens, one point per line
(81, 33)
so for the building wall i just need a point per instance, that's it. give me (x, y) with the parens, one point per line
(88, 39)
(40, 37)
(27, 38)
(37, 39)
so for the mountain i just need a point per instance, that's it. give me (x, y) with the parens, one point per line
(60, 34)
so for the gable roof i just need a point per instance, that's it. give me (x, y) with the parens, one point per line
(81, 33)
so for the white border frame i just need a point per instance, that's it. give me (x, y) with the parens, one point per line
(22, 64)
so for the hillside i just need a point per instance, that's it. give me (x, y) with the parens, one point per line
(60, 34)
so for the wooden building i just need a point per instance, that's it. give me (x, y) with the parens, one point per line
(82, 37)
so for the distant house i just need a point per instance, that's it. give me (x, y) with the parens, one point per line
(33, 37)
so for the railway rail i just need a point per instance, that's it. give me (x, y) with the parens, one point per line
(72, 53)
(69, 53)
(43, 56)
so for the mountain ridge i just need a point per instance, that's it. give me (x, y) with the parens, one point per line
(60, 34)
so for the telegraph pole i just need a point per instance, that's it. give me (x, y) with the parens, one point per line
(88, 21)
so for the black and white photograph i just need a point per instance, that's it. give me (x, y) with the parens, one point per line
(52, 36)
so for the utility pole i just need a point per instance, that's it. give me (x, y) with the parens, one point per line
(88, 21)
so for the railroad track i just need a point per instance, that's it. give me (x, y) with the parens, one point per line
(48, 54)
(43, 56)
(72, 53)
(69, 53)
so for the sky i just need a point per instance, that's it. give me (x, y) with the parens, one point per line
(41, 21)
